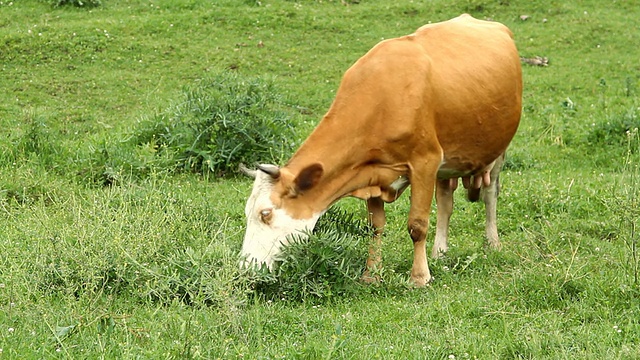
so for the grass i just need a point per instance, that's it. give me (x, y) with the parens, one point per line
(146, 266)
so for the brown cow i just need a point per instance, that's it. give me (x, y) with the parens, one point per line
(424, 109)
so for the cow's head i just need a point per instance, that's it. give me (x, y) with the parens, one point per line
(276, 209)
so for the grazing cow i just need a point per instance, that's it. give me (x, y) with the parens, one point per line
(422, 110)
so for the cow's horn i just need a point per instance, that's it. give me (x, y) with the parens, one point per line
(270, 170)
(245, 170)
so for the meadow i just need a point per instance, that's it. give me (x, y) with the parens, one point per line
(122, 213)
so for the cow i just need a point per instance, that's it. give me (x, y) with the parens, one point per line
(423, 110)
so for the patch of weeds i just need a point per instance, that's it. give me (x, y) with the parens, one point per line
(475, 6)
(624, 201)
(518, 161)
(615, 130)
(111, 164)
(35, 138)
(571, 290)
(518, 349)
(35, 142)
(220, 122)
(26, 194)
(26, 187)
(192, 277)
(630, 86)
(77, 3)
(558, 129)
(601, 230)
(195, 277)
(202, 277)
(327, 265)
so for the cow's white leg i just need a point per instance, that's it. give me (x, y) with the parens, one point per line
(423, 180)
(490, 198)
(377, 219)
(444, 202)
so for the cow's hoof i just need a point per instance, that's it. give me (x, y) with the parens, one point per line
(439, 253)
(421, 281)
(369, 278)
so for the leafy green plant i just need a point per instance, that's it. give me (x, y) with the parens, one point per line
(35, 141)
(219, 123)
(222, 121)
(615, 130)
(327, 265)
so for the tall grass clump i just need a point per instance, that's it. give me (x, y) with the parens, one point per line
(624, 202)
(326, 265)
(36, 142)
(77, 3)
(30, 159)
(614, 131)
(218, 123)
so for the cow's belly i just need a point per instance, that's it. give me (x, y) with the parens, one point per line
(472, 149)
(463, 168)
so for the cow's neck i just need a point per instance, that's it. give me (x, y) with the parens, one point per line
(351, 162)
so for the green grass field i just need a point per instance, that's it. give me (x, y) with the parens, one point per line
(120, 234)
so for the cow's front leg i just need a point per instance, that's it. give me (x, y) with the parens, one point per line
(444, 202)
(422, 186)
(490, 198)
(377, 219)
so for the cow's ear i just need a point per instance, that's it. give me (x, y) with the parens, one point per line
(308, 177)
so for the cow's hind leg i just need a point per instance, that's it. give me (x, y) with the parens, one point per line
(377, 219)
(490, 197)
(444, 202)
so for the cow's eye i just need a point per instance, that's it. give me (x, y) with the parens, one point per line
(266, 215)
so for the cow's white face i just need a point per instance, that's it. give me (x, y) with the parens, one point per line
(268, 226)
